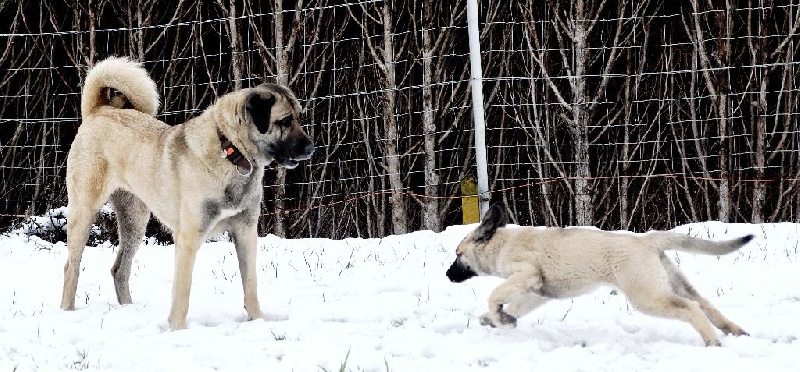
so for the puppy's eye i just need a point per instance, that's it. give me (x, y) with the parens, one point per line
(285, 122)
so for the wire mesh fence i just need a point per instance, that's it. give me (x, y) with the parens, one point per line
(624, 114)
(656, 113)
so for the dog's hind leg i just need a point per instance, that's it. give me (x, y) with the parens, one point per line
(132, 217)
(670, 305)
(85, 196)
(652, 294)
(245, 238)
(80, 221)
(682, 287)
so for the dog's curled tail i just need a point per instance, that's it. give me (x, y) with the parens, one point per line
(126, 77)
(666, 240)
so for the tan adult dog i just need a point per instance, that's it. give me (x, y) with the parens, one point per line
(199, 178)
(540, 264)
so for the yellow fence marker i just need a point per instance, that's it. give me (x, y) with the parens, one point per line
(469, 204)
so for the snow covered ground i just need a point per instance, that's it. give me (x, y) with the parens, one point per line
(383, 304)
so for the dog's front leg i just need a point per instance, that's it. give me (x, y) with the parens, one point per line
(516, 285)
(245, 238)
(187, 243)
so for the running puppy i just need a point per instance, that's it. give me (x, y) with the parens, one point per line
(540, 264)
(199, 178)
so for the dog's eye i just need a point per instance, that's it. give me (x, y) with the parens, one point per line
(285, 122)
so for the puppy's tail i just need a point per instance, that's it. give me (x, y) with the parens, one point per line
(119, 75)
(666, 240)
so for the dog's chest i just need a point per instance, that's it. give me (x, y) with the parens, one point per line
(228, 212)
(236, 198)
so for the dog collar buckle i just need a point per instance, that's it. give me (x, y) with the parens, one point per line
(234, 155)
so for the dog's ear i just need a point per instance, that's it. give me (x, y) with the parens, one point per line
(495, 218)
(259, 106)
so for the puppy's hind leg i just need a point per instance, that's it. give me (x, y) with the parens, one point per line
(132, 217)
(682, 287)
(652, 294)
(670, 305)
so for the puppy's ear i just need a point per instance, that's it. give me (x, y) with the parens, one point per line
(495, 217)
(259, 107)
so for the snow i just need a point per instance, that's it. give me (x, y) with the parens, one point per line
(382, 304)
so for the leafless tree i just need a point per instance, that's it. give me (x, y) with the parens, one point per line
(385, 56)
(766, 58)
(715, 74)
(575, 24)
(435, 41)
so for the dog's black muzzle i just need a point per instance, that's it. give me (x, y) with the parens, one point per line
(305, 149)
(291, 151)
(459, 272)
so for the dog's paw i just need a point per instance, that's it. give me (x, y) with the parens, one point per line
(255, 314)
(506, 320)
(735, 330)
(739, 332)
(177, 324)
(713, 343)
(502, 320)
(486, 320)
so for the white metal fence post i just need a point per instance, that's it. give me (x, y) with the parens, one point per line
(476, 82)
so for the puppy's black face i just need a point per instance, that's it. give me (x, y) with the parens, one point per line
(459, 271)
(470, 252)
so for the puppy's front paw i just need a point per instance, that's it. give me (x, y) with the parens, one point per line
(486, 320)
(506, 320)
(500, 320)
